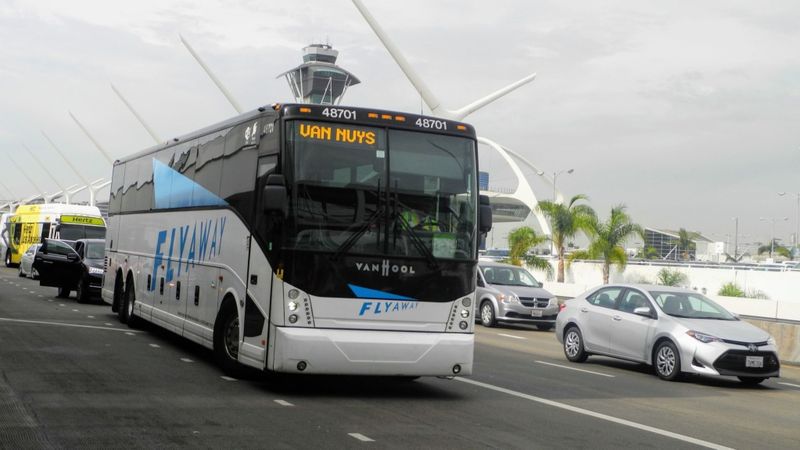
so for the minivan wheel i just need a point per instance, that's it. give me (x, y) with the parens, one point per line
(751, 381)
(487, 314)
(573, 345)
(667, 361)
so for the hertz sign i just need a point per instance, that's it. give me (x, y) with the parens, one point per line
(337, 133)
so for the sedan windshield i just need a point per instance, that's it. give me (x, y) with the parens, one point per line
(690, 305)
(509, 276)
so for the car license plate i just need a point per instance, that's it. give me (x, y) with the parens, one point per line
(536, 313)
(754, 361)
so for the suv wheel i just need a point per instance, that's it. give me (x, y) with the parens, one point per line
(487, 314)
(82, 292)
(63, 292)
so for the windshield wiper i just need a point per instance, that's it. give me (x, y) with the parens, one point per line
(415, 239)
(350, 241)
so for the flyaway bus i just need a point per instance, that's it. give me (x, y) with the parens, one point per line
(305, 238)
(32, 224)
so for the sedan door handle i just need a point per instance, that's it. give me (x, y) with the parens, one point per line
(584, 309)
(617, 318)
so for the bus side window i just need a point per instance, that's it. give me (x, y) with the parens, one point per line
(117, 180)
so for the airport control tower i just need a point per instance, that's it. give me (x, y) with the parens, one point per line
(319, 80)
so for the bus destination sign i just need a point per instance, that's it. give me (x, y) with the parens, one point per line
(343, 134)
(83, 220)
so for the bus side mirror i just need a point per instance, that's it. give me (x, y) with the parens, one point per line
(484, 214)
(274, 198)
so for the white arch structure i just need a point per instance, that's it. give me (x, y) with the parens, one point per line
(524, 192)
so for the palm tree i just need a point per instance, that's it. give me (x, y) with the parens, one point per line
(607, 239)
(521, 241)
(686, 242)
(565, 222)
(776, 248)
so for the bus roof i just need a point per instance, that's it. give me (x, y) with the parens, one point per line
(365, 116)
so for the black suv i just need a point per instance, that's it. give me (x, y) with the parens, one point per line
(71, 266)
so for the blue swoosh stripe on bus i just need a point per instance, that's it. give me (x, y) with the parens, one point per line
(172, 189)
(362, 292)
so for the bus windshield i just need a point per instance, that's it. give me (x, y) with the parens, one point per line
(73, 232)
(367, 190)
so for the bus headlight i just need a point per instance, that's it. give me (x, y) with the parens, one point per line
(463, 325)
(293, 318)
(466, 302)
(464, 313)
(292, 306)
(293, 293)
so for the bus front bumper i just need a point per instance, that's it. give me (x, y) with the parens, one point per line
(368, 352)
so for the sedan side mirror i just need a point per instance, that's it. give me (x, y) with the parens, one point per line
(273, 197)
(643, 311)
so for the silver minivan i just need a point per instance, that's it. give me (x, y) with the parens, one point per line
(508, 293)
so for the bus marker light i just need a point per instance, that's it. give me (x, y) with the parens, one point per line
(305, 110)
(292, 306)
(372, 116)
(400, 118)
(461, 127)
(386, 116)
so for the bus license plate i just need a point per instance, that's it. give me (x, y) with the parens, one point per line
(754, 361)
(536, 313)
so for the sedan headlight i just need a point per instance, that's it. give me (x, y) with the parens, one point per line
(771, 341)
(702, 337)
(96, 270)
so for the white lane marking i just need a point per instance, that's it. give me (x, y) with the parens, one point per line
(360, 437)
(37, 322)
(41, 296)
(109, 324)
(576, 369)
(50, 300)
(90, 317)
(129, 333)
(228, 378)
(61, 304)
(283, 403)
(790, 384)
(511, 336)
(155, 346)
(75, 310)
(186, 360)
(596, 415)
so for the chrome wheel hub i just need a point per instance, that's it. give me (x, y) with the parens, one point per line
(232, 338)
(665, 361)
(572, 344)
(486, 313)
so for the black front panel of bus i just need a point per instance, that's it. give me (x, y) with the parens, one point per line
(322, 274)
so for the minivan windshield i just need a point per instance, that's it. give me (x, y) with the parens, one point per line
(509, 276)
(690, 306)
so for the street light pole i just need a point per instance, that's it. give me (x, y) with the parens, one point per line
(771, 220)
(736, 240)
(797, 222)
(555, 176)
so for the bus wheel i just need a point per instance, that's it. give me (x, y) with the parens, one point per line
(129, 306)
(119, 300)
(226, 339)
(63, 292)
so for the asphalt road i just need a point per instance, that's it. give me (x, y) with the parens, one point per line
(71, 376)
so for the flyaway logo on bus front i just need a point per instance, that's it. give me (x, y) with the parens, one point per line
(188, 245)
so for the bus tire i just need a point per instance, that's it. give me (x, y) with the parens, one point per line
(116, 300)
(119, 300)
(226, 338)
(129, 305)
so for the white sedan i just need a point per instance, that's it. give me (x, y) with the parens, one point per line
(26, 262)
(675, 330)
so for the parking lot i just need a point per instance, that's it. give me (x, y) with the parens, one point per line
(72, 376)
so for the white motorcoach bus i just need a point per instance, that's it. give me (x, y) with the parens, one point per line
(305, 238)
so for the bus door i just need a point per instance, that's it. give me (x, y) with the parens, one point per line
(198, 302)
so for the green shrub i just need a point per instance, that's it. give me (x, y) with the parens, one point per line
(671, 277)
(731, 290)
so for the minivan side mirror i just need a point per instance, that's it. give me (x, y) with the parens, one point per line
(484, 214)
(273, 198)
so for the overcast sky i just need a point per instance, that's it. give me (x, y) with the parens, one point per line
(685, 111)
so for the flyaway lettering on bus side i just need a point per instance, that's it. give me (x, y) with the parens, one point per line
(188, 245)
